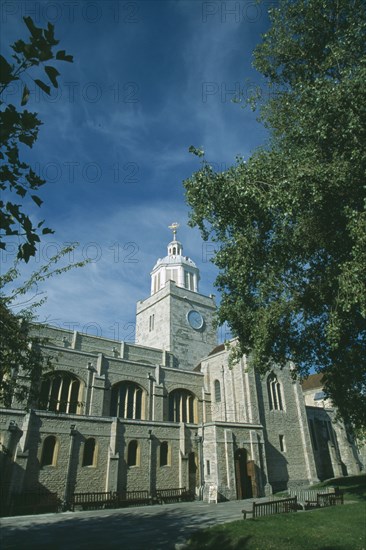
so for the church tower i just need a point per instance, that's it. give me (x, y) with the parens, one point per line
(176, 317)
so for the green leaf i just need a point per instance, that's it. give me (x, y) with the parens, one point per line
(62, 56)
(35, 31)
(43, 86)
(25, 95)
(47, 231)
(37, 200)
(5, 71)
(52, 74)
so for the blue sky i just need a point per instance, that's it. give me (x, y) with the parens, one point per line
(149, 79)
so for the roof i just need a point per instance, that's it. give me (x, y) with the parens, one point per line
(217, 349)
(175, 260)
(312, 382)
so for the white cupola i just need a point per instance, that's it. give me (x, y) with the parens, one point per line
(175, 267)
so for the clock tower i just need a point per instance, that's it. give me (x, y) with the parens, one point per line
(176, 317)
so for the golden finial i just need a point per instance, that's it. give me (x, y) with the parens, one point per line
(174, 228)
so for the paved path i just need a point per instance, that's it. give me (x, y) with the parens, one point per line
(144, 528)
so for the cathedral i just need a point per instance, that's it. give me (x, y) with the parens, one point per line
(169, 411)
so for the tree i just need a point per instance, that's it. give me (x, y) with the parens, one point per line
(290, 222)
(20, 128)
(23, 358)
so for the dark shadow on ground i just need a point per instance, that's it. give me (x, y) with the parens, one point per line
(354, 485)
(136, 531)
(217, 541)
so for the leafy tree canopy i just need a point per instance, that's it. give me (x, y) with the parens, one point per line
(19, 128)
(290, 222)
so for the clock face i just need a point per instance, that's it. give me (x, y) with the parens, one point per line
(195, 319)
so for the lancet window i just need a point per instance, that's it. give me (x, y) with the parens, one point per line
(164, 454)
(274, 393)
(89, 454)
(133, 453)
(49, 451)
(217, 391)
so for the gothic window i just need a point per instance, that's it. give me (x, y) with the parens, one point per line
(89, 455)
(133, 456)
(164, 454)
(217, 391)
(282, 443)
(127, 401)
(181, 406)
(274, 393)
(151, 322)
(49, 453)
(60, 392)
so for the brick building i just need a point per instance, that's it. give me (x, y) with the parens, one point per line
(167, 411)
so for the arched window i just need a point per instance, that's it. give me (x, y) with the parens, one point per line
(164, 454)
(217, 391)
(274, 393)
(182, 406)
(49, 451)
(60, 392)
(133, 455)
(89, 454)
(127, 401)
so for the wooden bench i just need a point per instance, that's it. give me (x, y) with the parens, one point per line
(271, 507)
(325, 499)
(178, 494)
(92, 500)
(132, 498)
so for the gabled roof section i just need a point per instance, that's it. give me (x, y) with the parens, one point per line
(312, 382)
(217, 349)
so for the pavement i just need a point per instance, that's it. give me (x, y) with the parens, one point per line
(158, 527)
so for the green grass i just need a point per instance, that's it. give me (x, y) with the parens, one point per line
(334, 528)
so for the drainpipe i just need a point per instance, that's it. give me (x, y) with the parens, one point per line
(200, 464)
(73, 433)
(151, 488)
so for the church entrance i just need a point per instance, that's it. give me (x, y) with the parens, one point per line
(192, 472)
(245, 475)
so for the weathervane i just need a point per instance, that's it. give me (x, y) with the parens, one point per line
(174, 228)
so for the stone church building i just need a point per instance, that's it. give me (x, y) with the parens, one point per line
(168, 411)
